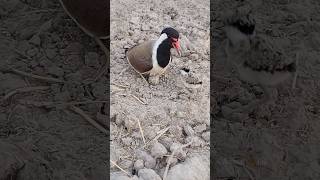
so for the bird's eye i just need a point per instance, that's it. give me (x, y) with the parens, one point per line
(174, 39)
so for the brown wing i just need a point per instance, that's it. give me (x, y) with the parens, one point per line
(140, 56)
(92, 15)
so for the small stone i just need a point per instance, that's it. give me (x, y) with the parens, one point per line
(130, 124)
(139, 164)
(176, 131)
(196, 167)
(200, 128)
(196, 141)
(158, 150)
(130, 32)
(206, 136)
(180, 114)
(167, 142)
(119, 119)
(188, 130)
(149, 161)
(119, 176)
(151, 132)
(126, 164)
(178, 150)
(173, 161)
(148, 174)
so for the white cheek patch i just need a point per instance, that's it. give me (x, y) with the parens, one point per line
(156, 68)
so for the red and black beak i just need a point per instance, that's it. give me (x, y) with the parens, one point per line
(176, 45)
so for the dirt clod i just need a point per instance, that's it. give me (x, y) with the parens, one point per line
(158, 150)
(148, 174)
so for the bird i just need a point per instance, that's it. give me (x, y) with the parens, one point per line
(93, 18)
(152, 57)
(256, 57)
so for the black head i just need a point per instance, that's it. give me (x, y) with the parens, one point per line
(171, 33)
(245, 26)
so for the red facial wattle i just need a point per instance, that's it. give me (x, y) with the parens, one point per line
(176, 45)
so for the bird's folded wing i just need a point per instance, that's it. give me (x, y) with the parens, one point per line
(140, 56)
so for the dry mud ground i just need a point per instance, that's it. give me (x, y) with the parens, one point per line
(171, 114)
(39, 139)
(280, 140)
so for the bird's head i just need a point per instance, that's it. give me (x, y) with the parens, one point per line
(173, 36)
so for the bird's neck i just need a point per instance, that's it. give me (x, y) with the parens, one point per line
(163, 54)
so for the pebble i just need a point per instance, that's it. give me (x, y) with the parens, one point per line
(195, 168)
(158, 150)
(188, 130)
(178, 150)
(130, 124)
(166, 142)
(139, 164)
(149, 161)
(196, 141)
(176, 131)
(119, 176)
(173, 161)
(148, 174)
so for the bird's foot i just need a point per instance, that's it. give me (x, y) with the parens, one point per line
(154, 80)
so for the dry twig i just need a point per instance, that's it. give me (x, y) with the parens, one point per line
(141, 131)
(49, 79)
(120, 168)
(25, 89)
(160, 133)
(170, 159)
(91, 121)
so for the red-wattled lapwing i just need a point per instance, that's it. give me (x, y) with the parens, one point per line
(92, 17)
(153, 57)
(254, 56)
